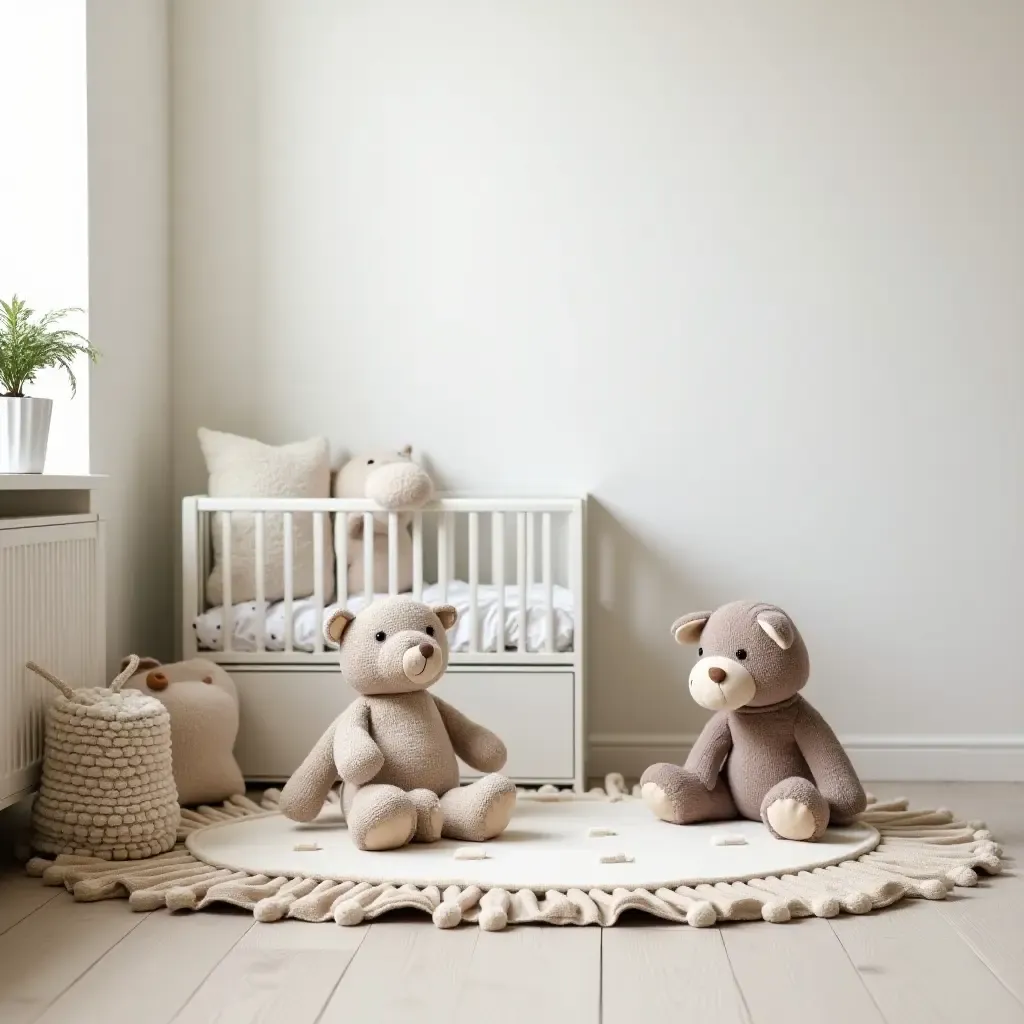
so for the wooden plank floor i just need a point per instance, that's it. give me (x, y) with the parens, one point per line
(956, 960)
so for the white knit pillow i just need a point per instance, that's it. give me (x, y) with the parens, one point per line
(240, 467)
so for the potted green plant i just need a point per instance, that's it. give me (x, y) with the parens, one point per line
(28, 345)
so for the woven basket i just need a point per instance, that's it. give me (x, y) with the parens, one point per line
(107, 788)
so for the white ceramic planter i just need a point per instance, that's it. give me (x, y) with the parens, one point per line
(24, 431)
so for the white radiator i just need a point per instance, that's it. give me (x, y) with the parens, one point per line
(51, 612)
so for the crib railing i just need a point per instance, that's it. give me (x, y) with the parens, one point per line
(492, 542)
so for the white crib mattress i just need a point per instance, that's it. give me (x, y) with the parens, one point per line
(306, 625)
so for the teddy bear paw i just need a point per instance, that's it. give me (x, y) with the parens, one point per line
(498, 811)
(390, 833)
(790, 819)
(429, 816)
(658, 801)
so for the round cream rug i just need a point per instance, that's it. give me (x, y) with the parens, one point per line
(565, 858)
(563, 845)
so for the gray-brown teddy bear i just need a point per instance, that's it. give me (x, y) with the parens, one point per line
(395, 746)
(766, 753)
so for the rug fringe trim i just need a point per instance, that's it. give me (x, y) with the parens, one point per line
(922, 853)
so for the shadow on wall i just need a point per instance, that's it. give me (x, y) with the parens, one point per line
(636, 671)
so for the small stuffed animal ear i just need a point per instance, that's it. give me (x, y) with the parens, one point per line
(336, 625)
(447, 614)
(687, 630)
(777, 625)
(406, 452)
(144, 663)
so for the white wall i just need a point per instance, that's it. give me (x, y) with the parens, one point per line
(748, 275)
(44, 252)
(129, 310)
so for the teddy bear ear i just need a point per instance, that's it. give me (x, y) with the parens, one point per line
(688, 628)
(447, 614)
(336, 625)
(777, 625)
(144, 663)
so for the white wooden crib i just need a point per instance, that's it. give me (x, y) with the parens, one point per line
(513, 567)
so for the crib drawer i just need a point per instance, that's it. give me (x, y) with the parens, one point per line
(284, 712)
(532, 711)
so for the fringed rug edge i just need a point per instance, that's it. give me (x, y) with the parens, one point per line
(922, 853)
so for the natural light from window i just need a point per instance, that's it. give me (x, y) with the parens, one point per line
(44, 252)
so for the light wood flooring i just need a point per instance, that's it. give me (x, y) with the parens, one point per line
(959, 960)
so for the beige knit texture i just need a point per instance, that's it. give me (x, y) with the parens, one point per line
(107, 788)
(921, 854)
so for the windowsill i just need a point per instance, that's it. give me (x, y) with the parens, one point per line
(49, 482)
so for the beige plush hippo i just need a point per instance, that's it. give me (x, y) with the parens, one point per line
(395, 746)
(766, 753)
(393, 481)
(202, 701)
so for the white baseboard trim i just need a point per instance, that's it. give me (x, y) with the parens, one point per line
(877, 758)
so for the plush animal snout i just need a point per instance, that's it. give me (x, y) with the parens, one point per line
(721, 684)
(420, 666)
(399, 485)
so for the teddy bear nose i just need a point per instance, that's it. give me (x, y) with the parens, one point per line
(426, 650)
(716, 674)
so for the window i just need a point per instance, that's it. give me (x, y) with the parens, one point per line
(44, 254)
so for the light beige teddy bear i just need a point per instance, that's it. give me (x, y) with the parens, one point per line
(395, 746)
(393, 481)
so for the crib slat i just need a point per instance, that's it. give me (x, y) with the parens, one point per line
(521, 576)
(442, 555)
(227, 618)
(368, 580)
(417, 555)
(289, 581)
(318, 580)
(474, 580)
(498, 575)
(546, 577)
(261, 583)
(453, 533)
(531, 551)
(392, 553)
(341, 533)
(193, 570)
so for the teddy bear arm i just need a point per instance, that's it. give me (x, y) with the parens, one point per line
(478, 747)
(305, 792)
(357, 757)
(708, 754)
(830, 765)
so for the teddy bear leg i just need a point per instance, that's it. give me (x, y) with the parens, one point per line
(479, 811)
(794, 809)
(677, 796)
(429, 817)
(381, 818)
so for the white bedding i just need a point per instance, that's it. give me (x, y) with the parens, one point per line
(306, 625)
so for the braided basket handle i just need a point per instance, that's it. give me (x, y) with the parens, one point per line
(51, 678)
(126, 673)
